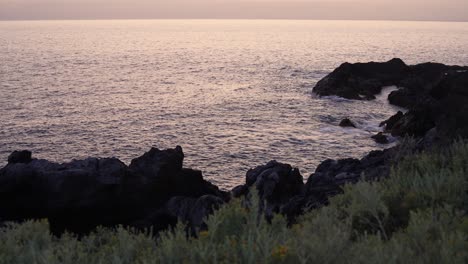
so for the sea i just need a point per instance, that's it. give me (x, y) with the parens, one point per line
(234, 94)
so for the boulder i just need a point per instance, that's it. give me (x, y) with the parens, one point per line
(276, 184)
(380, 138)
(390, 123)
(240, 191)
(23, 156)
(347, 123)
(155, 164)
(322, 186)
(276, 181)
(418, 120)
(403, 97)
(193, 210)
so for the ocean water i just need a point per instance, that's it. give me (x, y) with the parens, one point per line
(233, 93)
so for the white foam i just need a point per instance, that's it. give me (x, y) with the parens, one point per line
(336, 98)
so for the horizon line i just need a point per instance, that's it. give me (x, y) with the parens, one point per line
(267, 19)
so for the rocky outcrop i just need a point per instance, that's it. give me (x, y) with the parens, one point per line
(281, 189)
(434, 93)
(20, 157)
(193, 210)
(390, 123)
(82, 194)
(361, 80)
(276, 184)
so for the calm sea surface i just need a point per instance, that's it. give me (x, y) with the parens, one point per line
(234, 94)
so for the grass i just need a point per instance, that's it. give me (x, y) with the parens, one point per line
(417, 215)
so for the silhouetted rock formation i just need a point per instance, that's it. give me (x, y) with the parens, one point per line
(435, 94)
(281, 189)
(361, 80)
(20, 157)
(82, 194)
(390, 123)
(276, 184)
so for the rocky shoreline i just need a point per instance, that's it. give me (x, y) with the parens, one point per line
(155, 191)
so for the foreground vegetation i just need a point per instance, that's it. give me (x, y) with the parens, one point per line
(417, 215)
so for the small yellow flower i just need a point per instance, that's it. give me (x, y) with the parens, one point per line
(233, 242)
(203, 234)
(280, 252)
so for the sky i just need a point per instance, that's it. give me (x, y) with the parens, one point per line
(437, 10)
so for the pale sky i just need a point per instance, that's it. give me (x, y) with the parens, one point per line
(440, 10)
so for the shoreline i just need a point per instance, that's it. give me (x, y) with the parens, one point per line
(156, 191)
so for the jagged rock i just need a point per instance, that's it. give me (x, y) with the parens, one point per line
(298, 205)
(417, 121)
(276, 183)
(361, 80)
(240, 191)
(79, 195)
(321, 185)
(20, 157)
(390, 123)
(452, 110)
(434, 93)
(155, 164)
(403, 97)
(347, 123)
(422, 78)
(193, 210)
(331, 168)
(380, 138)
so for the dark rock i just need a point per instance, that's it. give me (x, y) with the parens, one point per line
(83, 194)
(422, 78)
(390, 123)
(240, 191)
(403, 97)
(374, 158)
(331, 168)
(276, 183)
(298, 205)
(361, 80)
(380, 138)
(452, 108)
(157, 163)
(23, 156)
(319, 187)
(435, 94)
(193, 210)
(417, 121)
(322, 186)
(157, 220)
(347, 123)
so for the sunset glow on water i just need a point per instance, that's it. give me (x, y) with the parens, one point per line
(233, 93)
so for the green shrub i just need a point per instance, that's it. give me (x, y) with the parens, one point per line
(417, 215)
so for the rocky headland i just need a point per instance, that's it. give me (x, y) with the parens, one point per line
(155, 191)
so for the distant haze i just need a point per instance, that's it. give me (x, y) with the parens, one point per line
(440, 10)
